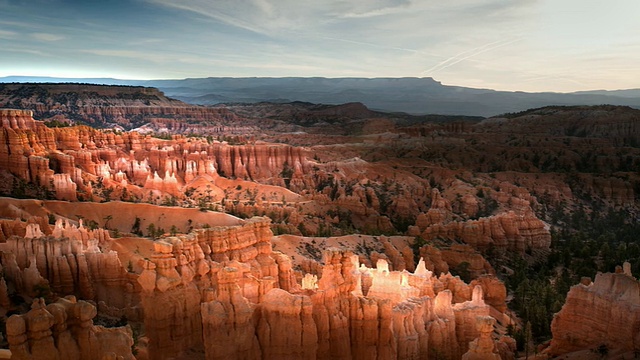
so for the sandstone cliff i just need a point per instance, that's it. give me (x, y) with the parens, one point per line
(104, 165)
(223, 290)
(65, 330)
(603, 314)
(70, 261)
(510, 231)
(125, 106)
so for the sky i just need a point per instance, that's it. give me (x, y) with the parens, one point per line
(517, 45)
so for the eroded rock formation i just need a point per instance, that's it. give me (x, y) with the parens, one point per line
(69, 262)
(483, 347)
(65, 330)
(605, 313)
(507, 230)
(68, 161)
(223, 291)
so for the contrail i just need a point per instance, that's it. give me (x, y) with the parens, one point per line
(460, 54)
(474, 52)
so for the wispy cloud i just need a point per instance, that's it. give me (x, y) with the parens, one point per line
(26, 51)
(387, 47)
(153, 57)
(7, 34)
(139, 42)
(383, 10)
(460, 42)
(47, 37)
(130, 54)
(212, 10)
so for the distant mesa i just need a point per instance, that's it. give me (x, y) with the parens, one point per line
(410, 95)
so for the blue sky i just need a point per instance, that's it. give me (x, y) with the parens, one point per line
(529, 45)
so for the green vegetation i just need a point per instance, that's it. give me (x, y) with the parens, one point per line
(22, 189)
(462, 270)
(135, 229)
(154, 232)
(286, 174)
(56, 124)
(586, 243)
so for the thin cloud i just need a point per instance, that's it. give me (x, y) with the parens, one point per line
(379, 46)
(7, 34)
(146, 41)
(47, 37)
(26, 51)
(138, 55)
(207, 9)
(384, 11)
(368, 38)
(159, 58)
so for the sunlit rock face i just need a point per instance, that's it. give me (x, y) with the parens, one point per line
(604, 313)
(223, 290)
(392, 317)
(82, 160)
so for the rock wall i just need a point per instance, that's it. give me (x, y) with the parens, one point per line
(507, 230)
(65, 330)
(344, 316)
(70, 262)
(81, 159)
(603, 313)
(223, 291)
(127, 106)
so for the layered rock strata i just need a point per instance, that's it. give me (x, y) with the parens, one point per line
(70, 262)
(352, 312)
(602, 314)
(223, 290)
(125, 106)
(80, 159)
(65, 330)
(509, 231)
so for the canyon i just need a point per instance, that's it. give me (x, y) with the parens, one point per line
(288, 231)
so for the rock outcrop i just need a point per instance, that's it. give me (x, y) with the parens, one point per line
(69, 262)
(459, 257)
(508, 231)
(65, 330)
(226, 286)
(68, 161)
(483, 347)
(125, 106)
(362, 313)
(605, 313)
